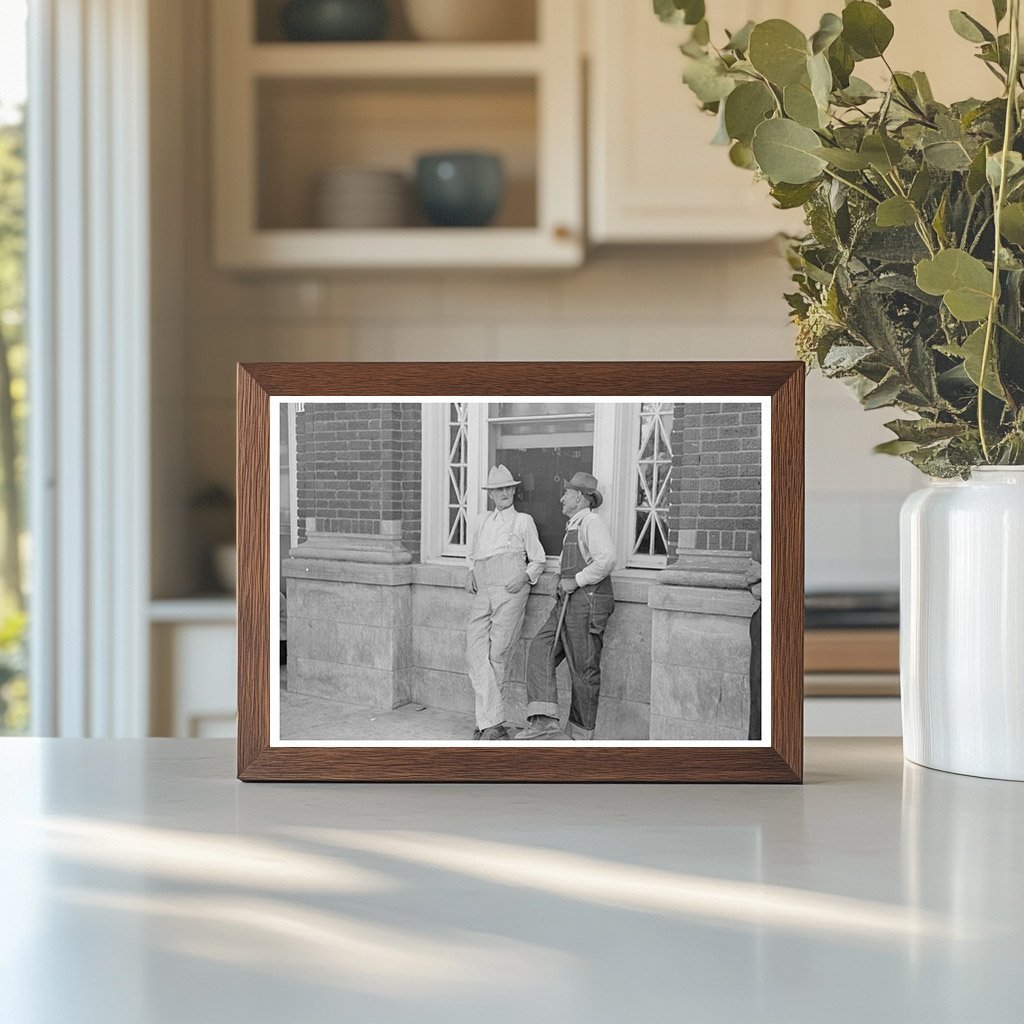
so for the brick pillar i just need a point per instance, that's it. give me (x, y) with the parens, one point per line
(358, 467)
(715, 502)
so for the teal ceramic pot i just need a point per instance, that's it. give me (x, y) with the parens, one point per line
(460, 189)
(334, 20)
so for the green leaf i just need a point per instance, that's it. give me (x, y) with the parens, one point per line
(924, 88)
(800, 105)
(858, 91)
(676, 12)
(976, 174)
(883, 153)
(999, 6)
(923, 431)
(921, 186)
(701, 33)
(739, 41)
(844, 159)
(885, 394)
(785, 152)
(778, 50)
(745, 108)
(820, 76)
(971, 352)
(841, 60)
(963, 281)
(741, 155)
(707, 80)
(1011, 226)
(896, 212)
(895, 447)
(866, 29)
(939, 220)
(830, 29)
(789, 197)
(968, 28)
(947, 156)
(994, 168)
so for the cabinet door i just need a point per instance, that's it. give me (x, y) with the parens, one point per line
(654, 175)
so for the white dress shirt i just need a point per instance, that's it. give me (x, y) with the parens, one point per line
(596, 546)
(500, 531)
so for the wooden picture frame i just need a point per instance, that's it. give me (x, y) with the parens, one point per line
(778, 386)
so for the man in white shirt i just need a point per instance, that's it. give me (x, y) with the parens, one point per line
(575, 633)
(505, 559)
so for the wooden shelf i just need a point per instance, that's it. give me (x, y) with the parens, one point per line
(286, 112)
(401, 247)
(393, 60)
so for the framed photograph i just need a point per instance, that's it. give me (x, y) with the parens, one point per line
(560, 572)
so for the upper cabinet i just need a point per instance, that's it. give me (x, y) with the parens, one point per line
(653, 174)
(317, 143)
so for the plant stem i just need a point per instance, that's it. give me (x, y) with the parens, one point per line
(855, 187)
(993, 309)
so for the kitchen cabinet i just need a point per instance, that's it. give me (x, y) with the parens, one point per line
(286, 113)
(653, 175)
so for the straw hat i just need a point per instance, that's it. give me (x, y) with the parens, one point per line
(499, 476)
(585, 483)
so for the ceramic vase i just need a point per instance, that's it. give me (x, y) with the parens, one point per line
(334, 20)
(962, 624)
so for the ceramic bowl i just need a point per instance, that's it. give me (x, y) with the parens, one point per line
(460, 189)
(334, 20)
(471, 20)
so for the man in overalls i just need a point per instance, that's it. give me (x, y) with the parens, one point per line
(574, 630)
(505, 559)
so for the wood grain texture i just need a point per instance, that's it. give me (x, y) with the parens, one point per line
(781, 762)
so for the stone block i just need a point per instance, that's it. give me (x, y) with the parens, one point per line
(445, 607)
(626, 674)
(622, 719)
(340, 602)
(346, 644)
(665, 728)
(440, 649)
(714, 642)
(448, 690)
(698, 695)
(366, 687)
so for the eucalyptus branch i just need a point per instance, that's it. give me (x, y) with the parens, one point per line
(1000, 198)
(853, 185)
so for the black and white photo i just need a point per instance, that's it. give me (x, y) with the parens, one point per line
(529, 572)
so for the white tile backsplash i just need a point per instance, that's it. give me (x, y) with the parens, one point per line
(715, 303)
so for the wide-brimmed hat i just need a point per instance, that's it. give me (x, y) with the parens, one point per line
(585, 483)
(499, 476)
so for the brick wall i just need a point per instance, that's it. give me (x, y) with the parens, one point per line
(716, 493)
(358, 464)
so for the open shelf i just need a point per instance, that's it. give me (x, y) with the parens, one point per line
(520, 15)
(287, 113)
(308, 127)
(393, 60)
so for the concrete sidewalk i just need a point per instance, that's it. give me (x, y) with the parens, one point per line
(313, 718)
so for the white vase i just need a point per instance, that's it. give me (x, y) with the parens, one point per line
(962, 624)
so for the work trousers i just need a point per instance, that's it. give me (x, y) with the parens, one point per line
(581, 642)
(495, 622)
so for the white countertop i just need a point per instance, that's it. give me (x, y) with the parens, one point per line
(142, 884)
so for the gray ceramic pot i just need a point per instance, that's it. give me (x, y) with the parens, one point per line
(460, 189)
(334, 20)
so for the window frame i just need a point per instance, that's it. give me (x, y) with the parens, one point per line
(616, 452)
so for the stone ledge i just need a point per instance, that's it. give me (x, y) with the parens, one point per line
(346, 572)
(377, 549)
(702, 600)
